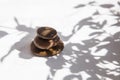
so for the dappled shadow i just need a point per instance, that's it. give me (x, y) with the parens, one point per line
(81, 59)
(3, 33)
(23, 46)
(76, 57)
(93, 3)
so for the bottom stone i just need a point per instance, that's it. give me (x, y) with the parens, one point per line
(47, 52)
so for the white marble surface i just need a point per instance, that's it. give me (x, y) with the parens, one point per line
(90, 30)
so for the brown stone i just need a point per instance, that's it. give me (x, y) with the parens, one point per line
(47, 42)
(46, 32)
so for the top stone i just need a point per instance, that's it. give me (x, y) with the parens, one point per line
(46, 32)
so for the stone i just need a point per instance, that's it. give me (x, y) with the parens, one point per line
(46, 43)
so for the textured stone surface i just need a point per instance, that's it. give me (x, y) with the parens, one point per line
(47, 42)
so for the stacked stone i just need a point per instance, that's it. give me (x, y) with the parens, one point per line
(47, 42)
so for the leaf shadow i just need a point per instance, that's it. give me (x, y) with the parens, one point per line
(23, 46)
(82, 60)
(3, 33)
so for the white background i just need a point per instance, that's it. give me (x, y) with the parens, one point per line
(86, 56)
